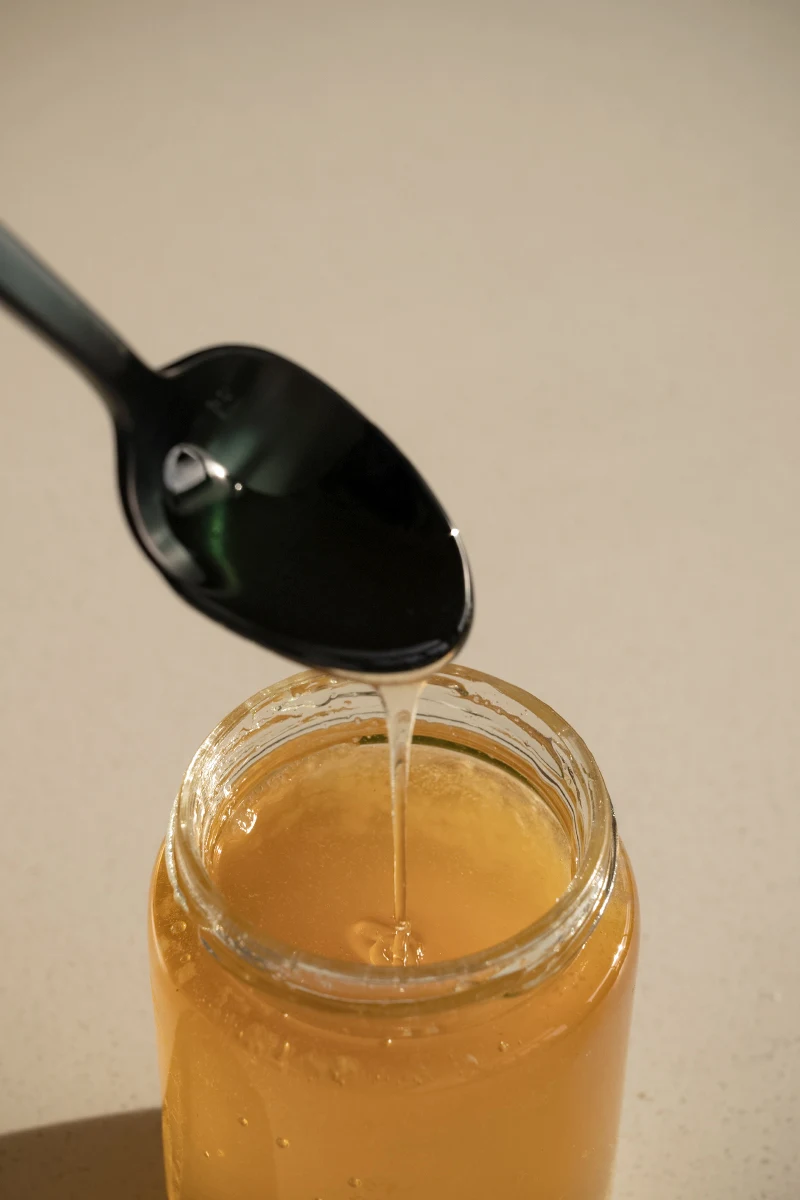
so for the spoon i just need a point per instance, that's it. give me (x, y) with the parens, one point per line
(263, 497)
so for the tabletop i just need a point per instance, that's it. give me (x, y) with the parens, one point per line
(551, 248)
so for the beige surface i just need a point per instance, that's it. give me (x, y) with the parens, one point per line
(553, 248)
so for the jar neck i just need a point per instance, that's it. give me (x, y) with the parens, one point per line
(462, 708)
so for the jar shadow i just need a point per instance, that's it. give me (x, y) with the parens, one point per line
(117, 1155)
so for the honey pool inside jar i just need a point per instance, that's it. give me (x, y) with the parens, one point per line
(515, 1095)
(305, 853)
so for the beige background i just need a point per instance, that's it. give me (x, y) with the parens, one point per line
(553, 249)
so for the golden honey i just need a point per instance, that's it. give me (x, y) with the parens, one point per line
(298, 1063)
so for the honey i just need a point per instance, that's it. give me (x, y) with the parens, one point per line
(471, 1072)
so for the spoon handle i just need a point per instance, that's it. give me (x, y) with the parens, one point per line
(43, 301)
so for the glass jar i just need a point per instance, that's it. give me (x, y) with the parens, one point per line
(293, 1077)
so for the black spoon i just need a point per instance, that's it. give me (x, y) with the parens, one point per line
(263, 497)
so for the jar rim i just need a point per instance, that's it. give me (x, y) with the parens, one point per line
(525, 958)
